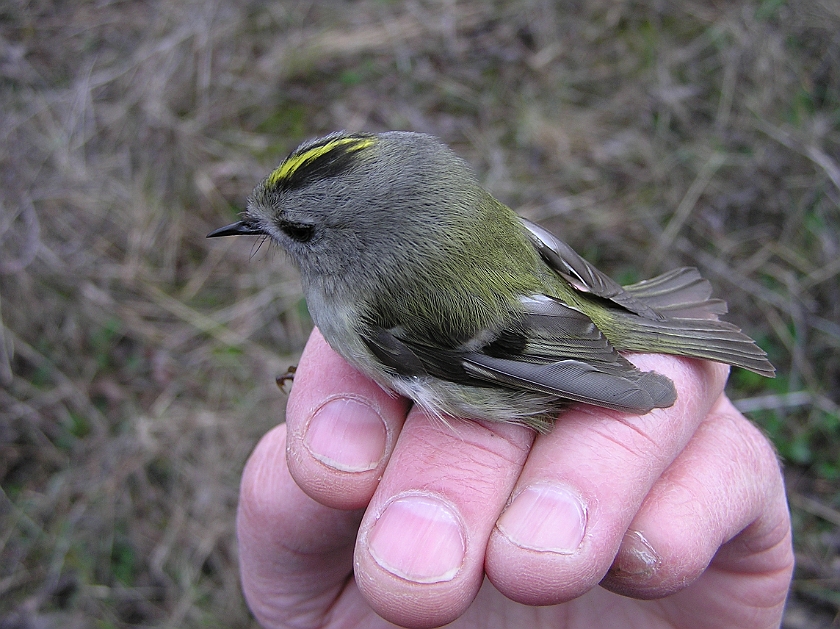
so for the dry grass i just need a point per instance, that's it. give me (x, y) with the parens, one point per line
(137, 360)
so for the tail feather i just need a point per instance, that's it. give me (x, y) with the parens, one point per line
(709, 339)
(690, 327)
(679, 293)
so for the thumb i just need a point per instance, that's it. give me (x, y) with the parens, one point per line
(295, 555)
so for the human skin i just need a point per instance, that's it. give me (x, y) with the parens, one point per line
(362, 511)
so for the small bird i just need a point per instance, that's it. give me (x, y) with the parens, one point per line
(427, 284)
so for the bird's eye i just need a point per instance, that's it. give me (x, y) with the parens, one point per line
(301, 232)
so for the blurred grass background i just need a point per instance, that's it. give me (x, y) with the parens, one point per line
(137, 360)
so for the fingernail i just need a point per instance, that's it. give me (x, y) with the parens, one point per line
(546, 518)
(419, 538)
(636, 558)
(347, 434)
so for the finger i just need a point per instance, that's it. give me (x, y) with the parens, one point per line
(341, 428)
(584, 483)
(295, 555)
(420, 554)
(722, 502)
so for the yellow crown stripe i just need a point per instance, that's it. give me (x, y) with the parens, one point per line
(293, 163)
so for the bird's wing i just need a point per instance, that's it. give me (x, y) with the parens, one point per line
(636, 392)
(681, 293)
(548, 348)
(556, 349)
(581, 275)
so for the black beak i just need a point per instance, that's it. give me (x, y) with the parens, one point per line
(240, 228)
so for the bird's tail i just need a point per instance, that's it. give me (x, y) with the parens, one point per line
(689, 326)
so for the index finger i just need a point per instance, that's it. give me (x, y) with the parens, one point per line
(342, 428)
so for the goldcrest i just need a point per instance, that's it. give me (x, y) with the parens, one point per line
(427, 284)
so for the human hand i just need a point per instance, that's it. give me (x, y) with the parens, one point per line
(682, 510)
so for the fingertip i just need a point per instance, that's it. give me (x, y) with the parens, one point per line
(415, 562)
(347, 434)
(657, 567)
(341, 428)
(721, 503)
(337, 454)
(420, 555)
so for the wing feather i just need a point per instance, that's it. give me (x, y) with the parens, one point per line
(582, 275)
(548, 348)
(635, 392)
